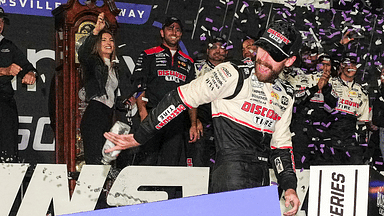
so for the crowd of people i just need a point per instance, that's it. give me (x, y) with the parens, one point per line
(284, 104)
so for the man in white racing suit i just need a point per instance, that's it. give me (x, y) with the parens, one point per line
(251, 115)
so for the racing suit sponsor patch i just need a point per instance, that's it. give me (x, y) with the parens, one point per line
(215, 81)
(171, 75)
(284, 100)
(279, 165)
(170, 113)
(226, 71)
(181, 58)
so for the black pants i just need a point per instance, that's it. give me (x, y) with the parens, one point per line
(234, 172)
(97, 119)
(203, 150)
(9, 125)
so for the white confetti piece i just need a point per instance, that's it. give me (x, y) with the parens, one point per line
(378, 42)
(42, 76)
(243, 8)
(291, 8)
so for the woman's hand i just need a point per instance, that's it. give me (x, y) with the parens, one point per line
(100, 24)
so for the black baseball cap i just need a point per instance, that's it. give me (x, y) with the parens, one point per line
(349, 57)
(170, 20)
(3, 15)
(281, 40)
(216, 40)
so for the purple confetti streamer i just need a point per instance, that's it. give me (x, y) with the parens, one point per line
(262, 16)
(316, 123)
(322, 151)
(364, 144)
(318, 129)
(322, 145)
(302, 159)
(332, 150)
(157, 24)
(378, 163)
(214, 28)
(311, 145)
(208, 20)
(246, 4)
(334, 112)
(208, 125)
(229, 47)
(287, 12)
(213, 161)
(347, 154)
(229, 3)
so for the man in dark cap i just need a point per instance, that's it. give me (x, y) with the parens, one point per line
(251, 114)
(202, 150)
(352, 107)
(249, 48)
(159, 70)
(12, 63)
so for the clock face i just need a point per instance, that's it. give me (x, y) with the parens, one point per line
(84, 30)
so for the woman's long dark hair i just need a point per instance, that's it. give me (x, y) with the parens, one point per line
(97, 48)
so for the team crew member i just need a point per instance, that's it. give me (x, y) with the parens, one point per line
(202, 130)
(251, 115)
(160, 70)
(353, 106)
(315, 99)
(249, 48)
(12, 63)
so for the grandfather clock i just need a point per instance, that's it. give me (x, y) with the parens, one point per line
(73, 22)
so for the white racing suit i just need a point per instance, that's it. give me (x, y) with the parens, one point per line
(251, 121)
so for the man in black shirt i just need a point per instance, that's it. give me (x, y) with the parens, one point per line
(12, 63)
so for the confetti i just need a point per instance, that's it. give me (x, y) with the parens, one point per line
(208, 20)
(157, 24)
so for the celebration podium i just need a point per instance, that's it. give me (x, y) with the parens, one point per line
(256, 202)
